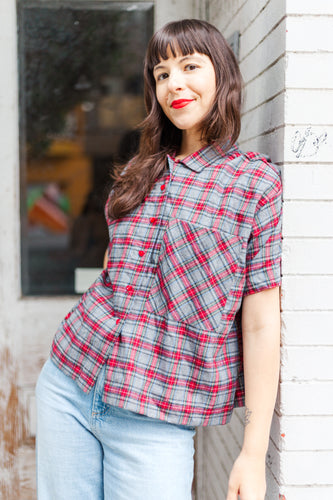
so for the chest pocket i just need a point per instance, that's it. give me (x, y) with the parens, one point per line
(195, 274)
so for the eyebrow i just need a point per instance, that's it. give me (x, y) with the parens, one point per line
(189, 56)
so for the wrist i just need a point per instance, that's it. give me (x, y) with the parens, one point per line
(255, 442)
(256, 434)
(255, 451)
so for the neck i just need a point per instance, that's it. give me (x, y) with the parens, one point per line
(190, 144)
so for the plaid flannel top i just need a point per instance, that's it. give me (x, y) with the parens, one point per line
(165, 314)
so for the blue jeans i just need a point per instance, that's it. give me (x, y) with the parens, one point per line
(88, 450)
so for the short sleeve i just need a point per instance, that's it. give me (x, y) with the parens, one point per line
(263, 256)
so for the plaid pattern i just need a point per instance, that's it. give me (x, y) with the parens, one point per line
(165, 314)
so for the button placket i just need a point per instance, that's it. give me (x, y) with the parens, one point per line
(155, 220)
(165, 189)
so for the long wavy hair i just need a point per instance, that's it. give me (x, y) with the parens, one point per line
(133, 182)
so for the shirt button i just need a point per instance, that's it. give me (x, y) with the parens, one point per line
(153, 220)
(129, 288)
(141, 253)
(162, 187)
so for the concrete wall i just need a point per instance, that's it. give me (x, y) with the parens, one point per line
(286, 57)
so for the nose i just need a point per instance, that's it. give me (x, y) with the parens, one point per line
(175, 81)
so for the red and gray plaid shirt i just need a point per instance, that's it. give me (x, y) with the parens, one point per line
(165, 314)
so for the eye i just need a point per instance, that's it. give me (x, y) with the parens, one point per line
(162, 76)
(191, 67)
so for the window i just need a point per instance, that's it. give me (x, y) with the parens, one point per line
(81, 87)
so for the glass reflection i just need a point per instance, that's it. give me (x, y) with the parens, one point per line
(81, 99)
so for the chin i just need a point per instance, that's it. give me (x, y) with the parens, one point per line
(184, 126)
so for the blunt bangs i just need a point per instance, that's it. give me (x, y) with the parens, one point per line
(182, 38)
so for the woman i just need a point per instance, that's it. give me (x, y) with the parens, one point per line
(187, 307)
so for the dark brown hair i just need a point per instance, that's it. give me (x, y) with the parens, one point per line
(159, 136)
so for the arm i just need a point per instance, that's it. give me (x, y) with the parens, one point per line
(261, 346)
(105, 260)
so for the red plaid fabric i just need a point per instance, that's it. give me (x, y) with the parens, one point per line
(165, 314)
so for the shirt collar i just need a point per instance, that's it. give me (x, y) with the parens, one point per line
(210, 155)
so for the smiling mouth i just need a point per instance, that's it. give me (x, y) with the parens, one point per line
(180, 103)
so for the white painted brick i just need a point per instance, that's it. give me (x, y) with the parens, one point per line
(306, 467)
(273, 487)
(263, 23)
(306, 71)
(306, 493)
(264, 54)
(272, 463)
(264, 118)
(235, 14)
(220, 459)
(306, 433)
(226, 444)
(307, 293)
(308, 143)
(308, 218)
(307, 256)
(299, 363)
(318, 109)
(171, 11)
(306, 181)
(307, 328)
(306, 398)
(215, 485)
(264, 86)
(271, 144)
(236, 425)
(277, 402)
(275, 433)
(298, 29)
(199, 463)
(309, 7)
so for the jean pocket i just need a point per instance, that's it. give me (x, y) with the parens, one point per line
(195, 274)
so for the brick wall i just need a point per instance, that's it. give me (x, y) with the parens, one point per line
(306, 391)
(286, 58)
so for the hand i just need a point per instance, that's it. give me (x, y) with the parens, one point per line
(247, 478)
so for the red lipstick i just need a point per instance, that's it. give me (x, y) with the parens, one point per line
(180, 103)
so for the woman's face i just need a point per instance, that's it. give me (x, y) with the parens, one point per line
(185, 89)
